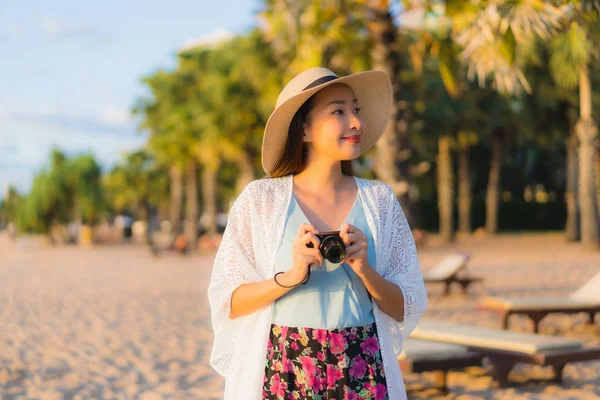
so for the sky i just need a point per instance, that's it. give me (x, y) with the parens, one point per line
(70, 72)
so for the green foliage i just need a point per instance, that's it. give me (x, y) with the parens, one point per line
(135, 184)
(212, 108)
(570, 50)
(9, 205)
(68, 190)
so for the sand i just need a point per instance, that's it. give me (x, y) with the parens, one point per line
(113, 322)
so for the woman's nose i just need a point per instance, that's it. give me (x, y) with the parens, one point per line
(355, 122)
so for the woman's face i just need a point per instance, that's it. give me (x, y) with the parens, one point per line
(333, 126)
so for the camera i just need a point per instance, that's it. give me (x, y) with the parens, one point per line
(332, 246)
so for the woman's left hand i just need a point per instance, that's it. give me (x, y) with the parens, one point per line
(356, 248)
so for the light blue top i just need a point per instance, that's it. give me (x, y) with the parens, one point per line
(334, 297)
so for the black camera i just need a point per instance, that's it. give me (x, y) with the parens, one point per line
(332, 246)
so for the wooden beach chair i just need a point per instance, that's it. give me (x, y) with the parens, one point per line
(586, 299)
(450, 270)
(504, 349)
(424, 356)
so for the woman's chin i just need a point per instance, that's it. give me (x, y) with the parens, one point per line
(349, 156)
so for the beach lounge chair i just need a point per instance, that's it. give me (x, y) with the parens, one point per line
(450, 270)
(585, 299)
(504, 349)
(423, 356)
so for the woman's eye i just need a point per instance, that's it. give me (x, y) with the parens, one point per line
(338, 112)
(357, 110)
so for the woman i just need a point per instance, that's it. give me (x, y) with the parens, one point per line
(289, 323)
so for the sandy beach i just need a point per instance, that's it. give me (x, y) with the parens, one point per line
(113, 322)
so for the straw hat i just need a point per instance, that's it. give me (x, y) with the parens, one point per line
(373, 90)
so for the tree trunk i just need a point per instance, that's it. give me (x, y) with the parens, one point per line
(465, 199)
(598, 173)
(246, 173)
(493, 189)
(209, 197)
(587, 132)
(191, 196)
(392, 162)
(445, 189)
(176, 198)
(572, 229)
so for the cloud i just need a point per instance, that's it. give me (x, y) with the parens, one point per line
(115, 116)
(54, 28)
(25, 146)
(15, 29)
(62, 29)
(211, 40)
(110, 121)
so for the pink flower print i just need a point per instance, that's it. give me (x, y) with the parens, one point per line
(277, 386)
(287, 365)
(378, 392)
(333, 375)
(320, 335)
(314, 382)
(294, 346)
(370, 346)
(352, 334)
(337, 343)
(342, 361)
(309, 365)
(371, 371)
(350, 394)
(321, 356)
(294, 336)
(284, 332)
(358, 368)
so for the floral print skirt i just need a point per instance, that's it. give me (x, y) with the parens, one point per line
(306, 363)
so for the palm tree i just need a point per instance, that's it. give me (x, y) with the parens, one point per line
(137, 185)
(9, 205)
(445, 189)
(394, 152)
(170, 140)
(496, 41)
(239, 75)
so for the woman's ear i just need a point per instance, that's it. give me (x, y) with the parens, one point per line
(306, 132)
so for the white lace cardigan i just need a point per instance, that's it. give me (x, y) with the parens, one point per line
(247, 254)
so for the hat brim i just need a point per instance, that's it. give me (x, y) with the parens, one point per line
(373, 90)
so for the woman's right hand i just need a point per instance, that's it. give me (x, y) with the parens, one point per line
(304, 257)
(250, 297)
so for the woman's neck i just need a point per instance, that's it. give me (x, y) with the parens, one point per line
(322, 179)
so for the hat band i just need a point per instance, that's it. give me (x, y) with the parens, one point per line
(321, 81)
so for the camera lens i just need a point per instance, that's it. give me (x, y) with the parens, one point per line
(333, 249)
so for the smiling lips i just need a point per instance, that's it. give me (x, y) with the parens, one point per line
(355, 139)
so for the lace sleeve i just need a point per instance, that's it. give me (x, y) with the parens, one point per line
(404, 270)
(234, 265)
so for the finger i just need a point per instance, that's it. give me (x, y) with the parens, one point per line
(310, 252)
(304, 228)
(348, 238)
(355, 248)
(345, 228)
(310, 238)
(315, 262)
(312, 258)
